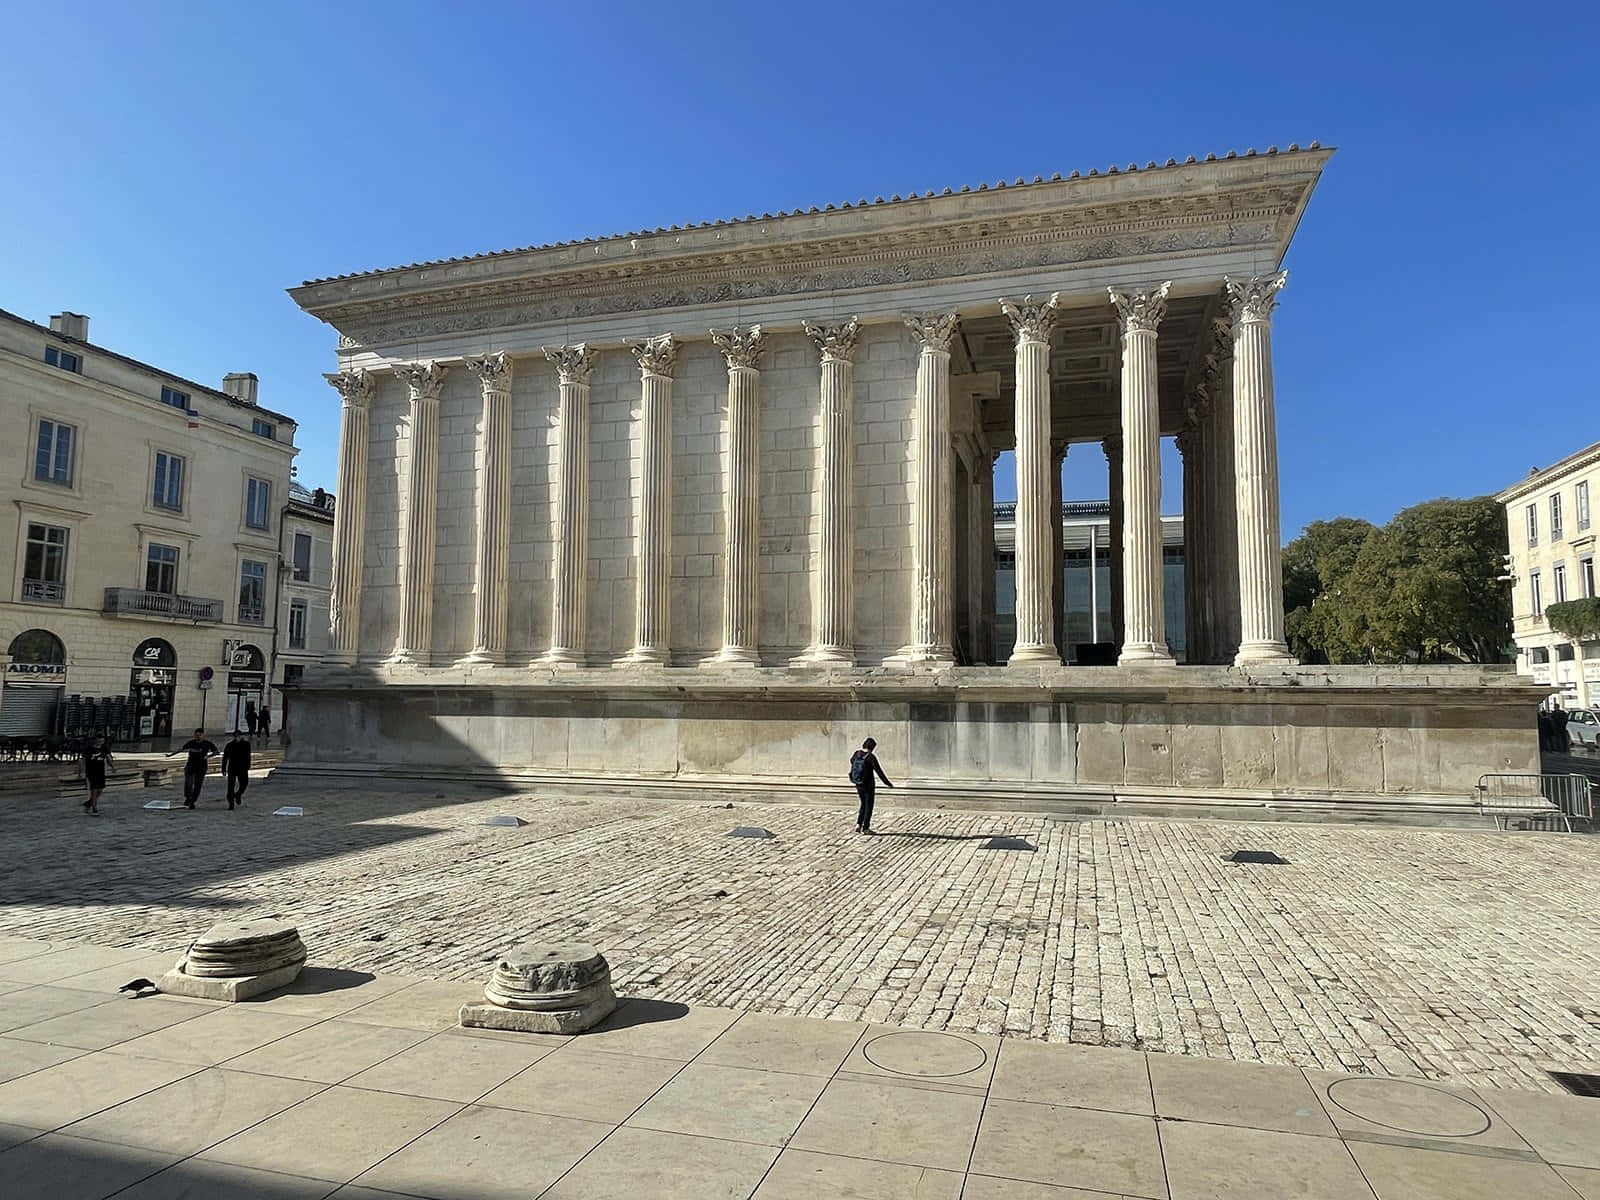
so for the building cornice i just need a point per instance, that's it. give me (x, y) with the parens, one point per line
(1589, 456)
(1253, 203)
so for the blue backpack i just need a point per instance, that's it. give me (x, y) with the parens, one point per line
(858, 767)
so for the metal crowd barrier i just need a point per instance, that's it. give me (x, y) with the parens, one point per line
(1536, 799)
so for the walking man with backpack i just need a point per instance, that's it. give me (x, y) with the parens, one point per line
(236, 767)
(865, 772)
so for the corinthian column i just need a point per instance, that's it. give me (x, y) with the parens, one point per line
(355, 390)
(420, 517)
(1111, 447)
(833, 582)
(741, 509)
(1144, 637)
(656, 356)
(1255, 454)
(491, 580)
(1036, 582)
(932, 556)
(569, 602)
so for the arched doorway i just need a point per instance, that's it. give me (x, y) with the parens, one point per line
(35, 678)
(152, 684)
(247, 682)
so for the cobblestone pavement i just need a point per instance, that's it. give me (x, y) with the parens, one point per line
(1461, 955)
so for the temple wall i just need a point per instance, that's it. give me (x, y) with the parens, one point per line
(533, 447)
(387, 457)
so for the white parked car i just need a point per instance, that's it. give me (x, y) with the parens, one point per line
(1583, 727)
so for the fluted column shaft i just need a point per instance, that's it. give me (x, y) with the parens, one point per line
(569, 596)
(1112, 447)
(1255, 446)
(420, 520)
(651, 611)
(350, 514)
(1223, 497)
(1191, 445)
(1036, 585)
(833, 581)
(492, 567)
(1144, 637)
(741, 502)
(932, 554)
(1058, 550)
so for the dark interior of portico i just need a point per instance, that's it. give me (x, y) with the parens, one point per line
(1085, 420)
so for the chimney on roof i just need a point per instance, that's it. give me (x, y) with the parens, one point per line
(241, 386)
(70, 324)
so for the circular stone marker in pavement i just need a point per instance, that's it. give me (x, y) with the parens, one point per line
(1409, 1107)
(933, 1055)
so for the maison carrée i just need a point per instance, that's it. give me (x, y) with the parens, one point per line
(712, 503)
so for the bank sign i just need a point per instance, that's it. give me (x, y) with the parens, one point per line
(21, 672)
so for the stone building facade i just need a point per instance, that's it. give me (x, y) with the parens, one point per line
(141, 544)
(1550, 517)
(709, 502)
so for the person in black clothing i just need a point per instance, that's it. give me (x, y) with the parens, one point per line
(863, 767)
(95, 761)
(265, 717)
(194, 771)
(250, 718)
(236, 767)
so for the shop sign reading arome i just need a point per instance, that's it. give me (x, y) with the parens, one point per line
(29, 672)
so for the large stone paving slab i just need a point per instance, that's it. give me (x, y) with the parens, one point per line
(1465, 957)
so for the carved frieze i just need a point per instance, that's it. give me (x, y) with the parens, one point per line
(656, 355)
(837, 342)
(573, 363)
(1253, 299)
(1031, 319)
(741, 348)
(1139, 310)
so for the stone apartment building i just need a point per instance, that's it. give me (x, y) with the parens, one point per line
(140, 547)
(307, 578)
(1550, 515)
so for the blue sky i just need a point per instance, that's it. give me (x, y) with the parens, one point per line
(173, 168)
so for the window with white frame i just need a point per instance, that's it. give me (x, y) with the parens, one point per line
(161, 569)
(44, 564)
(52, 461)
(258, 504)
(168, 489)
(1586, 575)
(1533, 524)
(252, 593)
(65, 359)
(1582, 497)
(172, 396)
(297, 624)
(1536, 594)
(302, 556)
(1559, 579)
(1555, 517)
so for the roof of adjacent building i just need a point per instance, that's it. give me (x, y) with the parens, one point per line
(1538, 477)
(168, 376)
(305, 502)
(1000, 185)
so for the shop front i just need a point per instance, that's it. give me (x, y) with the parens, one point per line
(152, 684)
(247, 684)
(35, 680)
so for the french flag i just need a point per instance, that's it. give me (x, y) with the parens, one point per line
(194, 418)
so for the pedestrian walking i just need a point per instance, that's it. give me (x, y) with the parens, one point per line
(251, 720)
(194, 771)
(96, 760)
(266, 722)
(236, 767)
(865, 771)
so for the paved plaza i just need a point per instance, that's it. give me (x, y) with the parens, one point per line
(1468, 957)
(356, 1085)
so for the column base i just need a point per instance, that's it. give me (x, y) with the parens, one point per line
(407, 658)
(1033, 656)
(482, 658)
(341, 658)
(1263, 654)
(560, 660)
(643, 656)
(921, 657)
(816, 658)
(733, 656)
(1146, 652)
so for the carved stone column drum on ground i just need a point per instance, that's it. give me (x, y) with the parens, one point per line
(562, 987)
(234, 960)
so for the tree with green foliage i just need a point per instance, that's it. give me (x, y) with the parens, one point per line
(1424, 588)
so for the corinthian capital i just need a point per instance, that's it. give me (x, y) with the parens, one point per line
(1031, 319)
(1253, 299)
(572, 363)
(656, 355)
(355, 388)
(933, 330)
(425, 379)
(741, 347)
(493, 371)
(1141, 309)
(837, 342)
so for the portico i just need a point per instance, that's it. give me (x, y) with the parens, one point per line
(764, 449)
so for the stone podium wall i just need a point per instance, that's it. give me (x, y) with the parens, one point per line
(1175, 734)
